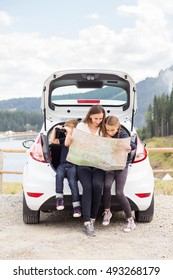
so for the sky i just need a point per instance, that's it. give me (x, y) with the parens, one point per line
(39, 37)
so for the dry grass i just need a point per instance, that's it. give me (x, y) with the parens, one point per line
(163, 187)
(12, 188)
(160, 160)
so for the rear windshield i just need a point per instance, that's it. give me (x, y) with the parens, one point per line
(70, 91)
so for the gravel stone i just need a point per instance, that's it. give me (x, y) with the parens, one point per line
(60, 236)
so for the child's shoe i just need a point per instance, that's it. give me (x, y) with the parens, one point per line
(130, 225)
(107, 215)
(59, 203)
(77, 212)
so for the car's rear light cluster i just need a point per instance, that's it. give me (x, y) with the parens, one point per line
(36, 151)
(141, 152)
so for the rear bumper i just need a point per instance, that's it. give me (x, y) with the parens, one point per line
(50, 204)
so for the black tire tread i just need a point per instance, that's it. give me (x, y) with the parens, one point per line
(147, 215)
(30, 216)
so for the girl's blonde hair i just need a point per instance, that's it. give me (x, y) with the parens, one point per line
(96, 109)
(113, 121)
(71, 122)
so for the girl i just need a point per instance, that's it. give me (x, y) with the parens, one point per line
(92, 179)
(114, 130)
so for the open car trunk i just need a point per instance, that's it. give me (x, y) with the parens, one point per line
(69, 94)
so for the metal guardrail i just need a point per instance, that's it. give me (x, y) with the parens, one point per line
(150, 150)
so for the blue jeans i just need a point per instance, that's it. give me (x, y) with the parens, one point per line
(67, 170)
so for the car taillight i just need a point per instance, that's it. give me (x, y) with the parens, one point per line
(31, 194)
(36, 151)
(143, 195)
(141, 152)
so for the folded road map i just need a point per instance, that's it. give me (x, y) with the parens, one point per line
(96, 151)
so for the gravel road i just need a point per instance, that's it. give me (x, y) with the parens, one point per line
(60, 236)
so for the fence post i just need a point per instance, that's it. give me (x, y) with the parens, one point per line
(1, 168)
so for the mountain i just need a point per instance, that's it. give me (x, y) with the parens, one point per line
(150, 87)
(27, 104)
(146, 90)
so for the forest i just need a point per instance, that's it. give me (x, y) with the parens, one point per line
(20, 121)
(159, 117)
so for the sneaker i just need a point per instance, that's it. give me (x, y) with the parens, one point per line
(59, 203)
(130, 225)
(77, 212)
(107, 215)
(89, 230)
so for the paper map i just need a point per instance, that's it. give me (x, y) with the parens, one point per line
(100, 152)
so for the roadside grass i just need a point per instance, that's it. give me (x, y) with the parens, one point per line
(160, 187)
(11, 188)
(160, 160)
(163, 187)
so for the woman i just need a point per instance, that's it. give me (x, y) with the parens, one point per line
(91, 178)
(114, 130)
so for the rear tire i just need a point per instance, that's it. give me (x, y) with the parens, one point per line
(30, 216)
(147, 215)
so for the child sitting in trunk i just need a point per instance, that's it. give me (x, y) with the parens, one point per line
(114, 130)
(65, 168)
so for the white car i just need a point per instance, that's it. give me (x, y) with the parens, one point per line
(67, 95)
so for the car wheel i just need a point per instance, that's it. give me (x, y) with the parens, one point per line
(30, 216)
(147, 215)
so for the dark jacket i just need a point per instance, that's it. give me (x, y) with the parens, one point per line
(123, 134)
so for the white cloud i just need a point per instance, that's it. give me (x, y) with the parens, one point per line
(166, 6)
(93, 16)
(5, 19)
(125, 10)
(27, 59)
(150, 40)
(149, 6)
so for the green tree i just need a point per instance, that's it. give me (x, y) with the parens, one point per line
(20, 121)
(159, 117)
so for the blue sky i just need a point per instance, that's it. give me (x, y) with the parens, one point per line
(38, 37)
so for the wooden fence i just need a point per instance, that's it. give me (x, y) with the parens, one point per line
(2, 171)
(161, 150)
(2, 151)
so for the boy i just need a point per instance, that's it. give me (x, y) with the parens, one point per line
(65, 168)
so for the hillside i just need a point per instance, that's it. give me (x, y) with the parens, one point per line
(146, 90)
(27, 104)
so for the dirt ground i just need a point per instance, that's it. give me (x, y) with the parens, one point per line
(59, 236)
